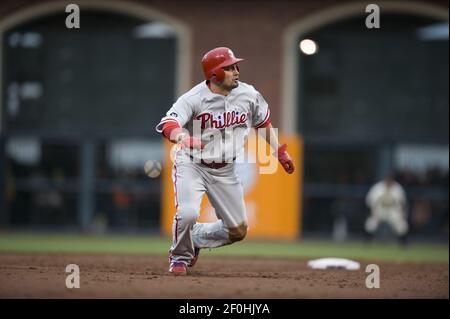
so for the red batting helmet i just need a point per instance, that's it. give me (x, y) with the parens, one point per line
(215, 60)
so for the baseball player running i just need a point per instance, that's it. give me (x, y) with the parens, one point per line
(220, 104)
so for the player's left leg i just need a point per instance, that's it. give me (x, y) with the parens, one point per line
(399, 223)
(226, 195)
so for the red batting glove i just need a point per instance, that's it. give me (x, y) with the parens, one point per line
(285, 159)
(191, 142)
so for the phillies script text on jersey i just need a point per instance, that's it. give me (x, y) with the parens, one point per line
(221, 121)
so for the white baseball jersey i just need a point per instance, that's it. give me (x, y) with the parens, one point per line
(385, 200)
(232, 116)
(387, 205)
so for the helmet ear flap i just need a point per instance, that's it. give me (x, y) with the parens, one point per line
(219, 75)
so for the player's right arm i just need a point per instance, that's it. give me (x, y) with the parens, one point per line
(176, 134)
(373, 196)
(171, 125)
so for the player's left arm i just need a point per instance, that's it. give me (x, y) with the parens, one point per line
(403, 200)
(280, 151)
(261, 122)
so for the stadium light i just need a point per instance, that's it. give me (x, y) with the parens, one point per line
(308, 46)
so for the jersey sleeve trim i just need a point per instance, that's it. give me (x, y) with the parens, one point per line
(264, 122)
(160, 126)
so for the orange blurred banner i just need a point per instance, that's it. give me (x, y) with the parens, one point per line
(273, 201)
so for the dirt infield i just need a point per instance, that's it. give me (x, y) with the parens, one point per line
(44, 276)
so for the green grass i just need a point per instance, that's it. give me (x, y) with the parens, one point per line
(354, 250)
(146, 245)
(83, 244)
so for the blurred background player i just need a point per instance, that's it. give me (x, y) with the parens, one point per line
(387, 202)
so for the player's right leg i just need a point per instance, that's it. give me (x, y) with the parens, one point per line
(189, 189)
(371, 226)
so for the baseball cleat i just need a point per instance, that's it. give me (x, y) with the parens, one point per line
(178, 268)
(195, 258)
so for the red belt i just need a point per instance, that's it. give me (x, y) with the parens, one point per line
(213, 165)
